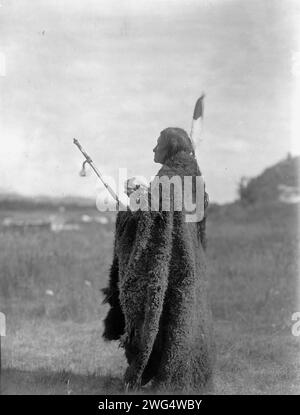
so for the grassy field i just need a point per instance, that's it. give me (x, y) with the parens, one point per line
(49, 291)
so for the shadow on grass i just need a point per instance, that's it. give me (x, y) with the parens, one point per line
(43, 382)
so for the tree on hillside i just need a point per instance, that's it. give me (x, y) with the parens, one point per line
(245, 195)
(267, 186)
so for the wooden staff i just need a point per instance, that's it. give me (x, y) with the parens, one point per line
(90, 162)
(197, 122)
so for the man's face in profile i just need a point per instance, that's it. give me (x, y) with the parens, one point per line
(160, 150)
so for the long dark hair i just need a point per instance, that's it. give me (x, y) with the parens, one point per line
(175, 140)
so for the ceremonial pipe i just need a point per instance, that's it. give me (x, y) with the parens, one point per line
(90, 162)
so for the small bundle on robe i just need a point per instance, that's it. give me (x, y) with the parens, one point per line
(158, 295)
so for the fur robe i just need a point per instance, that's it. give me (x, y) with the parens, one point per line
(158, 295)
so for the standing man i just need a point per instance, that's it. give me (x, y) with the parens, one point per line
(158, 286)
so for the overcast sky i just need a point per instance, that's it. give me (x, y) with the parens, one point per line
(115, 73)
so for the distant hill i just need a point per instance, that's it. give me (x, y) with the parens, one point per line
(14, 201)
(278, 183)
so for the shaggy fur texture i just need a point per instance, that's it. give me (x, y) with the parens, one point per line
(158, 295)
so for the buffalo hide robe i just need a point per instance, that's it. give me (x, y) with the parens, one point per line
(158, 295)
